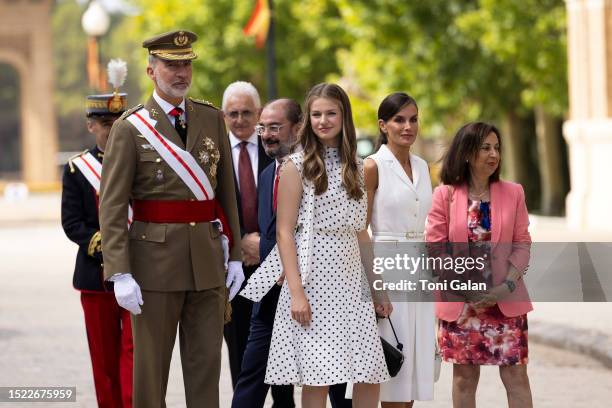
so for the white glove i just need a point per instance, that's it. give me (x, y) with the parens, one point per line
(235, 277)
(127, 292)
(225, 246)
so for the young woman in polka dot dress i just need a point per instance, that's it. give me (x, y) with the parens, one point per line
(325, 328)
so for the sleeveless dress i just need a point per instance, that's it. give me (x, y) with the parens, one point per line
(341, 344)
(399, 211)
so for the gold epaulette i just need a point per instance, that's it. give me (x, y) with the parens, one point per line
(203, 102)
(70, 164)
(131, 110)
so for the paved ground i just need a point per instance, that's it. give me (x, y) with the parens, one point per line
(42, 337)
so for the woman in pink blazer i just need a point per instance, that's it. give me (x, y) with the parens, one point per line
(474, 206)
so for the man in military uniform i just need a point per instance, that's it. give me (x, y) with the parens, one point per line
(109, 332)
(172, 158)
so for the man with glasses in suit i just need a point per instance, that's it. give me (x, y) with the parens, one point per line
(241, 107)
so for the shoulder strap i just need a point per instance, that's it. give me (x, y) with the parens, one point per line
(74, 157)
(203, 102)
(131, 110)
(400, 346)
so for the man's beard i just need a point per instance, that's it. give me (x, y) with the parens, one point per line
(170, 91)
(281, 151)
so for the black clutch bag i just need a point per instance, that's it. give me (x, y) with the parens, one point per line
(393, 355)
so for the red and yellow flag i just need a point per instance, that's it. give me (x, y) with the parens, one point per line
(259, 23)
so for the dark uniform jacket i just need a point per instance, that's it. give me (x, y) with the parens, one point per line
(265, 211)
(81, 225)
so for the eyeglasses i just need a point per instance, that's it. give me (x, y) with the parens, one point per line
(273, 129)
(246, 114)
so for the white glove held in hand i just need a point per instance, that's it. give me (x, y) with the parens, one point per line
(127, 293)
(235, 277)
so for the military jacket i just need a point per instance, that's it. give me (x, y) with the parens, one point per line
(80, 223)
(172, 256)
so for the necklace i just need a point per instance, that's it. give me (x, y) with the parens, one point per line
(479, 196)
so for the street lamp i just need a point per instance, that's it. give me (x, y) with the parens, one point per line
(95, 22)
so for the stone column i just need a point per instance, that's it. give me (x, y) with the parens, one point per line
(588, 131)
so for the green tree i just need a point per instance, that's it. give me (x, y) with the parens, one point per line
(70, 62)
(461, 59)
(308, 35)
(464, 60)
(530, 36)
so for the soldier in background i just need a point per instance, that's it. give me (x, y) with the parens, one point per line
(109, 332)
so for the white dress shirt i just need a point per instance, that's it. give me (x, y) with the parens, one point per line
(252, 149)
(167, 107)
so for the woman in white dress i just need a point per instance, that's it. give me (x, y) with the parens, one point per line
(325, 328)
(399, 198)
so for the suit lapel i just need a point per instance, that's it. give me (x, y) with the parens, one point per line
(193, 132)
(263, 160)
(458, 222)
(269, 191)
(397, 167)
(163, 125)
(415, 172)
(497, 202)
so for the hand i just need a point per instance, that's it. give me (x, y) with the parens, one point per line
(127, 293)
(250, 248)
(487, 299)
(281, 279)
(248, 260)
(300, 309)
(383, 309)
(235, 277)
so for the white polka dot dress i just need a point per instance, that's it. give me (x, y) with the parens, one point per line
(341, 344)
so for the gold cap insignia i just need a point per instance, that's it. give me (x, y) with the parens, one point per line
(181, 39)
(116, 104)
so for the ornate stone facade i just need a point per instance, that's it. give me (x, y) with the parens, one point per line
(26, 44)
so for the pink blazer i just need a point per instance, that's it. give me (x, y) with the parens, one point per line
(509, 224)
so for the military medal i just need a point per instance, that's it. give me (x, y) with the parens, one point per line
(153, 113)
(208, 143)
(203, 156)
(159, 175)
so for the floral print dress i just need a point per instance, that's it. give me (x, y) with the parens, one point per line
(486, 336)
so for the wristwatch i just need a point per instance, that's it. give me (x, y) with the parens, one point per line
(510, 284)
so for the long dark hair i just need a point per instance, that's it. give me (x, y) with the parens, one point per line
(314, 150)
(464, 146)
(388, 108)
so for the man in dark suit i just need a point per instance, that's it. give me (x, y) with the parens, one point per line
(241, 107)
(109, 333)
(278, 127)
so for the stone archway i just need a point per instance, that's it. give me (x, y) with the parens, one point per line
(25, 44)
(10, 130)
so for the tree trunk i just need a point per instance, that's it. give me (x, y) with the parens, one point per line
(514, 149)
(550, 162)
